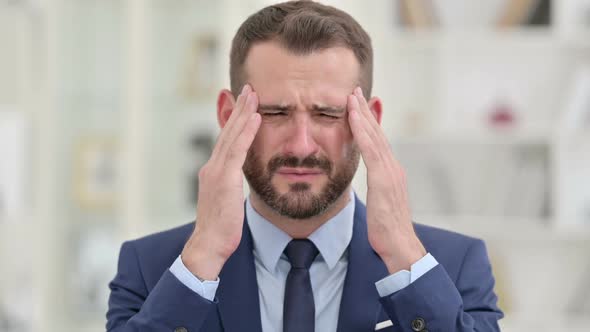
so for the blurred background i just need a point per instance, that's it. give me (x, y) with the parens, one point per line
(107, 111)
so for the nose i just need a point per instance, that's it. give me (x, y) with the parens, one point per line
(300, 140)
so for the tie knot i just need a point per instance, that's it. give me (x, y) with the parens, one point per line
(301, 253)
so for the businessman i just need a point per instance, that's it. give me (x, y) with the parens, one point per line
(301, 252)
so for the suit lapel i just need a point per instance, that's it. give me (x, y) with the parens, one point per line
(238, 290)
(360, 306)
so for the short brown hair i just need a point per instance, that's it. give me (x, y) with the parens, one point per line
(301, 27)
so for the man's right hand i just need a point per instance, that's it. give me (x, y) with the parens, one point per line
(220, 209)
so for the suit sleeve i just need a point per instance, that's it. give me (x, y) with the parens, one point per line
(169, 305)
(435, 303)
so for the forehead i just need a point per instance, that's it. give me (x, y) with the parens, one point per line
(322, 77)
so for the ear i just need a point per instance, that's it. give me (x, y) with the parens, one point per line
(376, 108)
(225, 106)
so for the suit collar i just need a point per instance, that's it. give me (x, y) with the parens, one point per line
(268, 240)
(333, 237)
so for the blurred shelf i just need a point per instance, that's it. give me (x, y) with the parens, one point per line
(511, 228)
(441, 32)
(579, 136)
(432, 38)
(489, 37)
(486, 137)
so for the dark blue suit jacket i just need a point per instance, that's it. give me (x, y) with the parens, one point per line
(457, 295)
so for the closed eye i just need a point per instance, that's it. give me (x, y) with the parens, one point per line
(329, 116)
(273, 113)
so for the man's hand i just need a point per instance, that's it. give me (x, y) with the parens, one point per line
(220, 209)
(389, 220)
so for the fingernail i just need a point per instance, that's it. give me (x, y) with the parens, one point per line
(245, 88)
(359, 91)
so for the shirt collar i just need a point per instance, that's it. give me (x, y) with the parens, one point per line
(331, 239)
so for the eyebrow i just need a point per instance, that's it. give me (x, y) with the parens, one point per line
(315, 108)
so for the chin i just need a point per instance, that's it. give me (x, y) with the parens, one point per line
(299, 187)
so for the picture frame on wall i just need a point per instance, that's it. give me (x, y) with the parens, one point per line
(200, 147)
(198, 75)
(96, 173)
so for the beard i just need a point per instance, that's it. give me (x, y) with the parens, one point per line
(299, 202)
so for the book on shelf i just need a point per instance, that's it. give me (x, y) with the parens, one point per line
(498, 173)
(528, 194)
(541, 14)
(525, 12)
(417, 13)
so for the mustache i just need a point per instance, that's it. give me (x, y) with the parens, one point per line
(291, 161)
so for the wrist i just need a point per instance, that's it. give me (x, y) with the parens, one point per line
(396, 264)
(204, 262)
(403, 255)
(203, 269)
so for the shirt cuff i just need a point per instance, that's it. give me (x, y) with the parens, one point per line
(204, 288)
(403, 278)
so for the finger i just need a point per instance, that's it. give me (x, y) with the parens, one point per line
(246, 90)
(372, 141)
(221, 144)
(370, 129)
(238, 105)
(358, 126)
(364, 108)
(239, 150)
(366, 118)
(249, 108)
(376, 130)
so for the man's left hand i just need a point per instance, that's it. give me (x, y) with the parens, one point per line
(389, 220)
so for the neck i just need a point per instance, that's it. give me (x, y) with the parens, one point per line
(299, 228)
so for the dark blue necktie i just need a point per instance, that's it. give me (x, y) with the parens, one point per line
(299, 308)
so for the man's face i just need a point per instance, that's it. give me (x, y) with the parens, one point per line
(303, 157)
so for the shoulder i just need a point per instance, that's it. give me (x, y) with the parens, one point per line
(156, 252)
(167, 239)
(451, 248)
(435, 235)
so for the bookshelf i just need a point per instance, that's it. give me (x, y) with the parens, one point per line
(112, 71)
(434, 82)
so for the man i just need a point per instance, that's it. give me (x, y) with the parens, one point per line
(302, 253)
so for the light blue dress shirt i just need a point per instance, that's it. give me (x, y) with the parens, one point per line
(327, 272)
